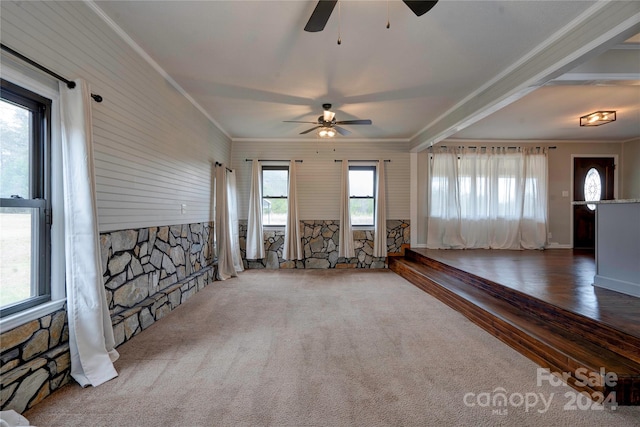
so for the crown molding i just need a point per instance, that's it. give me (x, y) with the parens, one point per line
(144, 55)
(322, 140)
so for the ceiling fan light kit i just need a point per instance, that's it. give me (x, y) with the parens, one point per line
(598, 118)
(326, 132)
(327, 126)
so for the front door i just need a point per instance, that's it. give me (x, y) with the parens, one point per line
(592, 180)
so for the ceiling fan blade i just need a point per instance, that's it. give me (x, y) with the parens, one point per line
(298, 121)
(420, 7)
(320, 15)
(342, 131)
(355, 122)
(309, 130)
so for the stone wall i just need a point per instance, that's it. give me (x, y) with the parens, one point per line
(147, 273)
(320, 243)
(35, 361)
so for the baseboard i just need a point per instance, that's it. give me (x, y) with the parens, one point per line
(555, 245)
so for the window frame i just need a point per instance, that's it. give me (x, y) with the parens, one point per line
(374, 169)
(264, 196)
(39, 196)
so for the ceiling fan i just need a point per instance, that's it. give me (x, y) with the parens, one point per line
(323, 10)
(327, 124)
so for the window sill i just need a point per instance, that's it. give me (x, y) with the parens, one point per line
(25, 316)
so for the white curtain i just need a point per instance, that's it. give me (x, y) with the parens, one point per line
(346, 246)
(232, 200)
(255, 239)
(91, 340)
(496, 199)
(380, 233)
(443, 226)
(534, 210)
(223, 226)
(292, 238)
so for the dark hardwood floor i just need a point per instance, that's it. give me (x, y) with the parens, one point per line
(543, 304)
(561, 277)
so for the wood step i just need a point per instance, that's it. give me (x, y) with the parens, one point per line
(595, 331)
(551, 346)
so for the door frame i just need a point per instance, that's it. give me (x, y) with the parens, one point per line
(615, 183)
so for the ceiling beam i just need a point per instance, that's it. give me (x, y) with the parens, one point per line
(599, 28)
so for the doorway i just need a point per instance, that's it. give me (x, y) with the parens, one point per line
(593, 179)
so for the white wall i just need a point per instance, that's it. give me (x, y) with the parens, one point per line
(319, 175)
(153, 148)
(631, 169)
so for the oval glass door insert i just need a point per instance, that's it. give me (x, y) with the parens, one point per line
(592, 188)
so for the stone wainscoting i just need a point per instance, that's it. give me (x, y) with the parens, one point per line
(320, 243)
(35, 361)
(147, 273)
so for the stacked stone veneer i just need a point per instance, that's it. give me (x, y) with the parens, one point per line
(150, 271)
(35, 361)
(147, 273)
(320, 243)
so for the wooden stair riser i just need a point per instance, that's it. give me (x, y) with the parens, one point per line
(610, 338)
(627, 390)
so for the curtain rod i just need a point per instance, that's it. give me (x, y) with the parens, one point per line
(368, 161)
(70, 84)
(220, 164)
(512, 148)
(269, 160)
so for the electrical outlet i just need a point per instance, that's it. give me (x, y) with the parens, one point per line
(565, 193)
(183, 208)
(549, 235)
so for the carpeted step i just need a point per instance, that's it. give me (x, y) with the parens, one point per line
(549, 344)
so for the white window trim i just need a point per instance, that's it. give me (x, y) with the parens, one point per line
(366, 227)
(273, 227)
(47, 87)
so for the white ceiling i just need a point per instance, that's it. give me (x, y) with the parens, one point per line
(250, 65)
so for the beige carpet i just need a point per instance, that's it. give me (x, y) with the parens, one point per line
(317, 348)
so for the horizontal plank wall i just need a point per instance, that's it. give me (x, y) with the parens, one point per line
(153, 148)
(318, 176)
(154, 152)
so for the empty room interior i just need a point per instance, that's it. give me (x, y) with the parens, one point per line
(320, 213)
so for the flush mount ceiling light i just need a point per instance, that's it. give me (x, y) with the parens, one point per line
(326, 132)
(598, 118)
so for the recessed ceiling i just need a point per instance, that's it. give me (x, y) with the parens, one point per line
(250, 65)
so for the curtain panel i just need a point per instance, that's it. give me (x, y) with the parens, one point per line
(91, 340)
(255, 239)
(292, 237)
(380, 232)
(234, 228)
(346, 246)
(495, 199)
(224, 227)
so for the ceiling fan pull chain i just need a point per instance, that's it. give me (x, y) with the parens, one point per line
(388, 22)
(339, 20)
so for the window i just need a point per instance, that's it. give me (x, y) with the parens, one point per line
(25, 210)
(592, 188)
(362, 195)
(275, 184)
